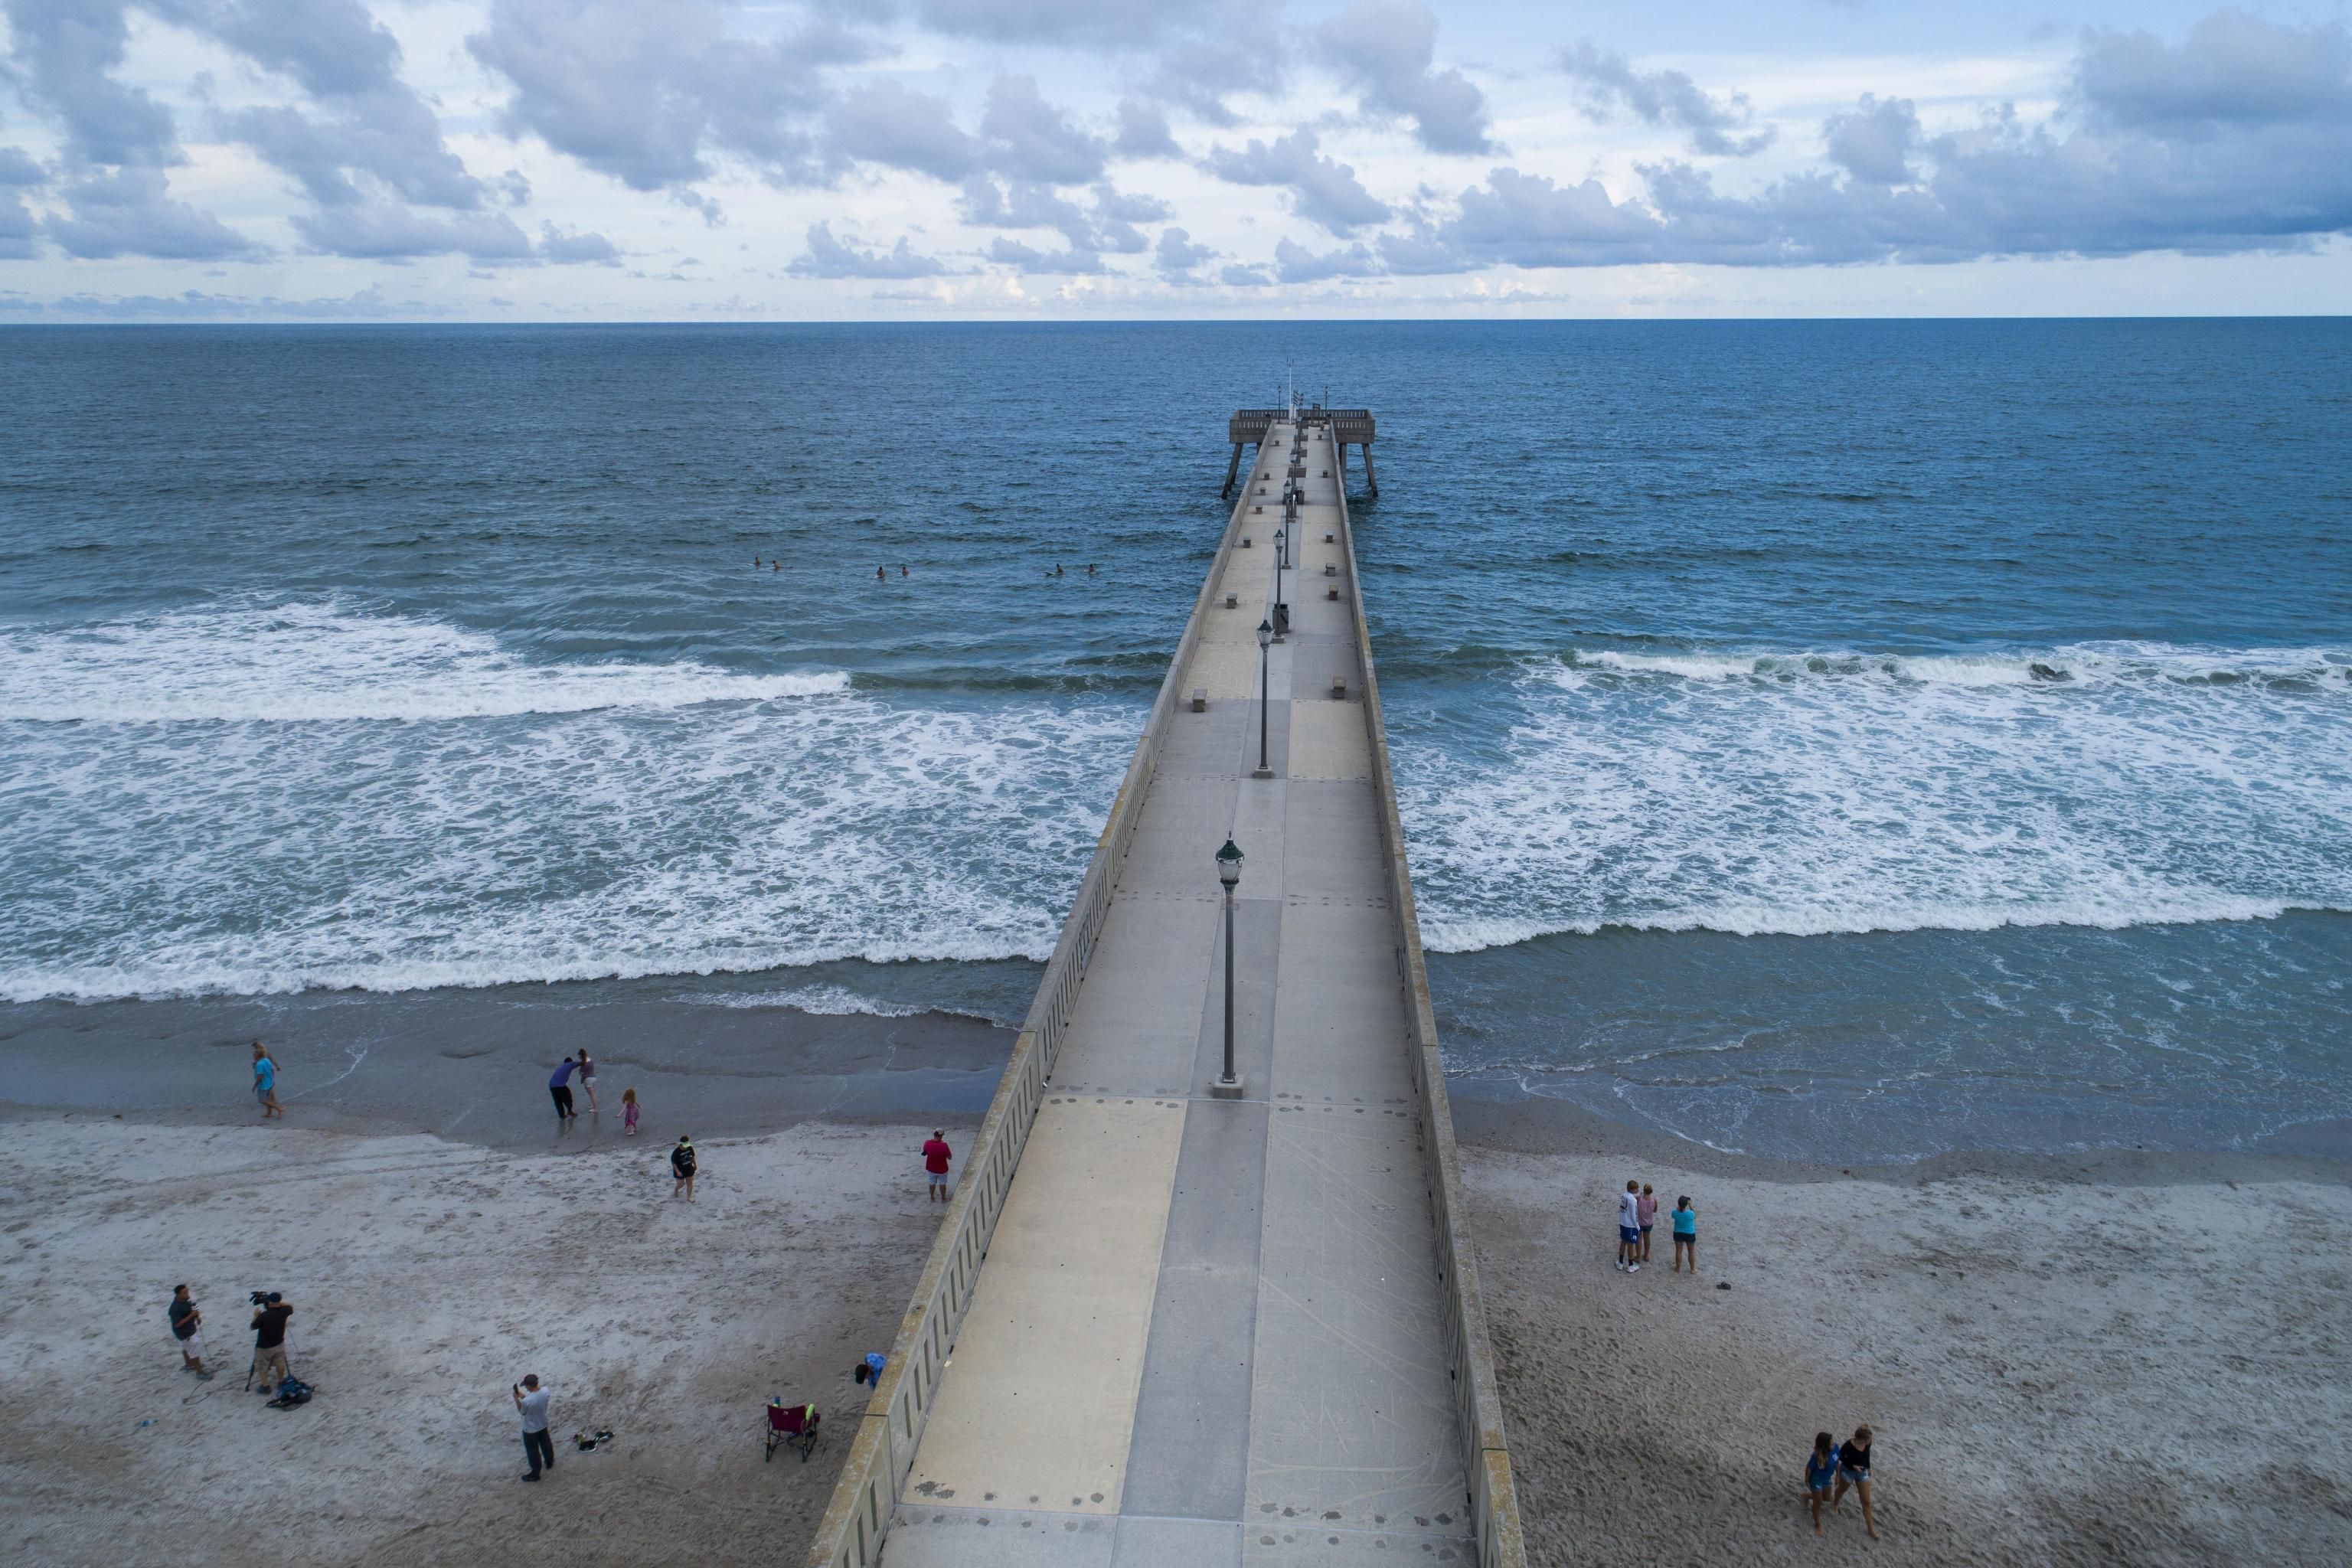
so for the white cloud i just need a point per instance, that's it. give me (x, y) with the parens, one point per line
(963, 146)
(1386, 49)
(1322, 190)
(829, 257)
(1607, 82)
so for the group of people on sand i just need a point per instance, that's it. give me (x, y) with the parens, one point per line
(1833, 1468)
(1845, 1466)
(1637, 1216)
(559, 1089)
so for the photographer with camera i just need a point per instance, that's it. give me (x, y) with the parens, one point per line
(270, 1314)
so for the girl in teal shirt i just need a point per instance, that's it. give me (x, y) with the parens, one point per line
(1685, 1235)
(1820, 1468)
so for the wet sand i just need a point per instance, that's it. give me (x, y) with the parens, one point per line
(472, 1065)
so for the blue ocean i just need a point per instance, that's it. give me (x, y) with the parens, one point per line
(1847, 740)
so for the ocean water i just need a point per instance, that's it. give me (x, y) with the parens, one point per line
(1845, 739)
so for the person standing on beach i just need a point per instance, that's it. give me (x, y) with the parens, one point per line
(559, 1089)
(265, 1083)
(1686, 1220)
(188, 1331)
(681, 1167)
(531, 1400)
(1647, 1209)
(935, 1155)
(588, 1082)
(1854, 1470)
(629, 1113)
(269, 1315)
(1821, 1469)
(1629, 1228)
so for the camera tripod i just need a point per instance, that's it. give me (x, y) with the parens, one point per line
(254, 1365)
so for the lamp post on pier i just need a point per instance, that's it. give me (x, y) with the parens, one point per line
(1264, 687)
(1229, 872)
(1281, 551)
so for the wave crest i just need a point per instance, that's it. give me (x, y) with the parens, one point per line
(2101, 786)
(2067, 663)
(321, 663)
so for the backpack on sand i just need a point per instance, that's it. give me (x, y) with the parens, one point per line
(291, 1392)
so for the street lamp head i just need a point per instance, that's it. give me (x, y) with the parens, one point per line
(1229, 864)
(1265, 633)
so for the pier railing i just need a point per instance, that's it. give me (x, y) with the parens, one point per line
(882, 1448)
(1477, 1403)
(1248, 425)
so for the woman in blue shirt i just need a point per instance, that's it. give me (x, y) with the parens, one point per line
(1821, 1469)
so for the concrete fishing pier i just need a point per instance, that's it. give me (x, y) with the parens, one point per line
(1214, 1322)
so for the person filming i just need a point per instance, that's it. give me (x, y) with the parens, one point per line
(269, 1315)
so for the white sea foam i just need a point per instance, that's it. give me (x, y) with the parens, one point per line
(826, 1001)
(676, 835)
(323, 662)
(2085, 662)
(1809, 793)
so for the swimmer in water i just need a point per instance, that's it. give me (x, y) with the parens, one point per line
(902, 571)
(880, 575)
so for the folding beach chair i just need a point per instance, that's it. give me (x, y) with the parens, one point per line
(791, 1426)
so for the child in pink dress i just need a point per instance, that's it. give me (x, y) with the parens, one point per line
(629, 1111)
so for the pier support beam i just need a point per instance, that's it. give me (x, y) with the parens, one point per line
(1372, 479)
(1231, 468)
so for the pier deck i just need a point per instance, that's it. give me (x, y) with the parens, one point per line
(1213, 1329)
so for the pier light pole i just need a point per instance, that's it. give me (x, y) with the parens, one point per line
(1265, 685)
(1280, 546)
(1229, 872)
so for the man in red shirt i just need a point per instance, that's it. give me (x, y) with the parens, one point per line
(935, 1155)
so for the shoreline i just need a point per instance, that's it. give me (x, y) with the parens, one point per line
(470, 1065)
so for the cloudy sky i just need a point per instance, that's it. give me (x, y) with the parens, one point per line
(556, 159)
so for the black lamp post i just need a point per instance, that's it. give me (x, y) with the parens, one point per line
(1229, 872)
(1264, 687)
(1281, 549)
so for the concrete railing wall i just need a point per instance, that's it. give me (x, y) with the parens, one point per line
(882, 1448)
(1477, 1405)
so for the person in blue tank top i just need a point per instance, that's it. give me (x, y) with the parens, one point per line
(265, 1083)
(1821, 1469)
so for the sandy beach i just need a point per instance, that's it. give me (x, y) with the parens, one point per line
(2155, 1379)
(427, 1276)
(2104, 1359)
